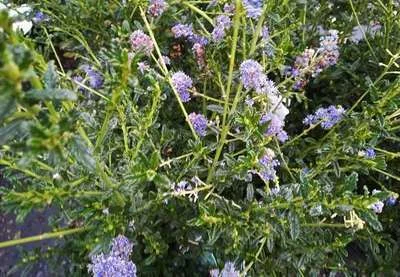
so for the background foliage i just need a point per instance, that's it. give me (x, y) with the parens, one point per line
(108, 159)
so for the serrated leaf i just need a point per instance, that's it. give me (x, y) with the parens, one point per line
(161, 180)
(216, 108)
(294, 225)
(11, 130)
(250, 192)
(351, 181)
(208, 260)
(52, 94)
(270, 244)
(50, 77)
(80, 151)
(372, 219)
(7, 105)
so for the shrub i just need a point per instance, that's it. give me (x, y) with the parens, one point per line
(252, 137)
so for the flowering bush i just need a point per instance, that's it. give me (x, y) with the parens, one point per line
(195, 138)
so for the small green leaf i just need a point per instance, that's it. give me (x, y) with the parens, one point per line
(250, 192)
(216, 108)
(80, 151)
(7, 105)
(351, 182)
(11, 130)
(372, 219)
(294, 225)
(52, 94)
(161, 180)
(50, 77)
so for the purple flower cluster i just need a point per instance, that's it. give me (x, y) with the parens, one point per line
(199, 52)
(377, 207)
(391, 201)
(275, 127)
(117, 262)
(141, 42)
(360, 31)
(251, 74)
(164, 59)
(229, 270)
(199, 42)
(110, 266)
(253, 77)
(268, 165)
(199, 123)
(313, 61)
(253, 8)
(78, 79)
(143, 67)
(95, 78)
(185, 188)
(327, 116)
(229, 8)
(223, 23)
(329, 51)
(182, 83)
(182, 30)
(156, 7)
(39, 17)
(121, 246)
(370, 153)
(186, 31)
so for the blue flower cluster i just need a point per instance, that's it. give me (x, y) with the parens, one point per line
(377, 207)
(253, 8)
(327, 116)
(313, 61)
(156, 7)
(182, 83)
(141, 42)
(229, 270)
(186, 31)
(223, 23)
(275, 127)
(199, 123)
(268, 165)
(253, 77)
(116, 263)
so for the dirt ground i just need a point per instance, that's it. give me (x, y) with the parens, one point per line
(35, 224)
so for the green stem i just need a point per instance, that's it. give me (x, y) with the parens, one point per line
(329, 225)
(200, 12)
(148, 121)
(263, 241)
(225, 128)
(364, 35)
(228, 113)
(54, 50)
(44, 236)
(164, 69)
(305, 132)
(386, 173)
